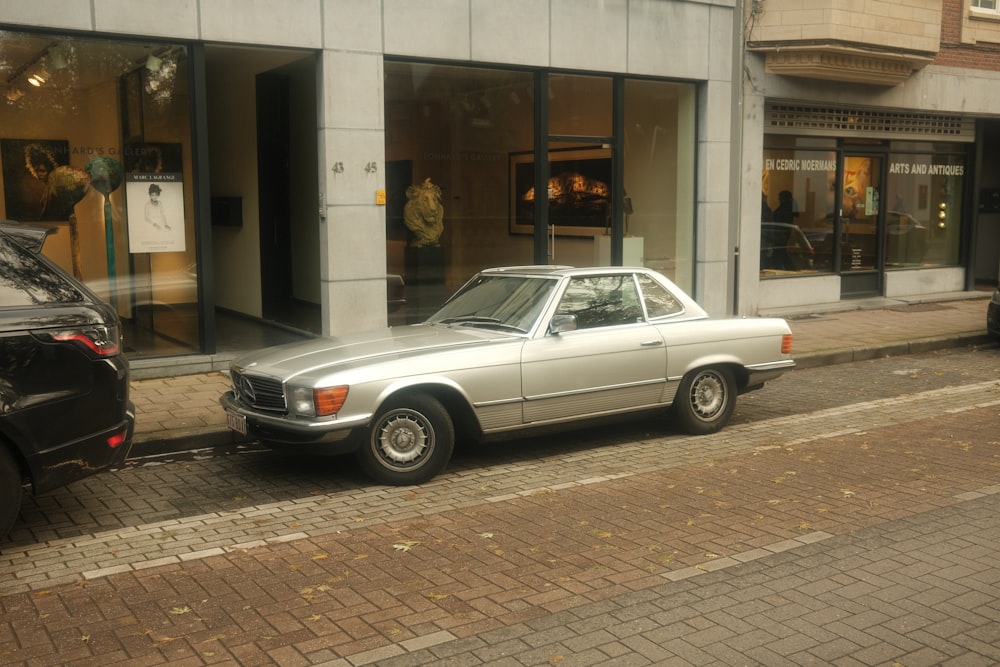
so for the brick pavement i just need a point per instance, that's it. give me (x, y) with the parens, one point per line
(863, 533)
(582, 558)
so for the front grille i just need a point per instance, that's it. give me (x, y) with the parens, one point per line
(260, 392)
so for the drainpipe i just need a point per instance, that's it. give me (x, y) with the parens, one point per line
(736, 154)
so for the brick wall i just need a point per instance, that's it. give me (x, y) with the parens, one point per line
(967, 39)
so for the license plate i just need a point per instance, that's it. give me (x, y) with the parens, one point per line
(236, 422)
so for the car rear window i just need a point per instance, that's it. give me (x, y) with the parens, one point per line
(25, 280)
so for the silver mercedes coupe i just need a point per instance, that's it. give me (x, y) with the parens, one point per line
(515, 348)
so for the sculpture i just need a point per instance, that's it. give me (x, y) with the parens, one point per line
(424, 214)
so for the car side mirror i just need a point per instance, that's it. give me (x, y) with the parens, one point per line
(562, 322)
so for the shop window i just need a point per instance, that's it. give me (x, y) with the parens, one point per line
(95, 142)
(460, 166)
(797, 212)
(923, 221)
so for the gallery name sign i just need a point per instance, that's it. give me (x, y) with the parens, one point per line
(792, 164)
(928, 169)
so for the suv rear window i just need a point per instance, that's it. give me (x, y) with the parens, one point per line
(26, 280)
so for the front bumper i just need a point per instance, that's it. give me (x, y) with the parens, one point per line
(277, 428)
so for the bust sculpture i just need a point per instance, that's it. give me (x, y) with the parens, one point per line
(424, 214)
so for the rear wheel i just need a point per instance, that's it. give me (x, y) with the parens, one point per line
(705, 400)
(10, 490)
(410, 441)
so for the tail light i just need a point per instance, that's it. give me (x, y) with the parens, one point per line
(102, 341)
(786, 344)
(117, 439)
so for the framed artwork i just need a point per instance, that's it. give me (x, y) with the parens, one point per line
(579, 191)
(27, 165)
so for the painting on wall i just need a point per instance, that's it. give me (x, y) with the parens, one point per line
(31, 194)
(579, 191)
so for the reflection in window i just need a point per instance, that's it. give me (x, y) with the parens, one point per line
(602, 301)
(923, 221)
(659, 301)
(797, 203)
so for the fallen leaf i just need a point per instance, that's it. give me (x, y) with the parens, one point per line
(177, 611)
(486, 536)
(320, 557)
(435, 596)
(405, 546)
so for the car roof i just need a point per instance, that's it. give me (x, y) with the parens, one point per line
(560, 271)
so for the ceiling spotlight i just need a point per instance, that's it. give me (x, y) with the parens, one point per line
(14, 93)
(38, 77)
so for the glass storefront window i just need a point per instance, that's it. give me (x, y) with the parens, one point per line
(923, 221)
(96, 143)
(797, 211)
(460, 150)
(452, 136)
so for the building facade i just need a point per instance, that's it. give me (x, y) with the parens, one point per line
(284, 161)
(332, 165)
(871, 138)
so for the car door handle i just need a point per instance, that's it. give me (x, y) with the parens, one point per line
(651, 343)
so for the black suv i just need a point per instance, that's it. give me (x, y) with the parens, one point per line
(64, 406)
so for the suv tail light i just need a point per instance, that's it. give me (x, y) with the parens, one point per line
(99, 340)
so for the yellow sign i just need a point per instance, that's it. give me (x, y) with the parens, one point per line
(380, 197)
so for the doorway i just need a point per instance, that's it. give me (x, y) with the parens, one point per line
(263, 156)
(860, 226)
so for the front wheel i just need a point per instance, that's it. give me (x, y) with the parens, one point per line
(705, 400)
(410, 441)
(10, 490)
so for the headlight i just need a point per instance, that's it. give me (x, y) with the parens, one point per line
(996, 297)
(320, 402)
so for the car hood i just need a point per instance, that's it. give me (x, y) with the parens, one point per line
(342, 352)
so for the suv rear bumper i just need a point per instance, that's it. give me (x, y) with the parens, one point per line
(70, 461)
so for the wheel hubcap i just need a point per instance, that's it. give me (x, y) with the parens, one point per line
(708, 396)
(402, 439)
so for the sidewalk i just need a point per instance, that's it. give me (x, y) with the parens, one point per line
(183, 413)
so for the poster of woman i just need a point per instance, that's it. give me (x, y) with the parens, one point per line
(155, 212)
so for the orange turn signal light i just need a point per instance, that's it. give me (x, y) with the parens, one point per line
(786, 344)
(329, 400)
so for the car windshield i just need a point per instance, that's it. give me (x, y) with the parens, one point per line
(503, 302)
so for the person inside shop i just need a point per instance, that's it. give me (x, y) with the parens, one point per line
(787, 209)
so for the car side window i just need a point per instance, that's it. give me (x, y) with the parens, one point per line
(659, 301)
(602, 301)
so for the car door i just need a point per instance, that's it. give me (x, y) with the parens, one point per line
(614, 360)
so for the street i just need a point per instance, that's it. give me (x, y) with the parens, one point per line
(847, 516)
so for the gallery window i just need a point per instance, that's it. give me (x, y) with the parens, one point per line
(924, 192)
(96, 143)
(797, 205)
(461, 163)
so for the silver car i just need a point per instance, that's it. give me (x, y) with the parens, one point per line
(514, 348)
